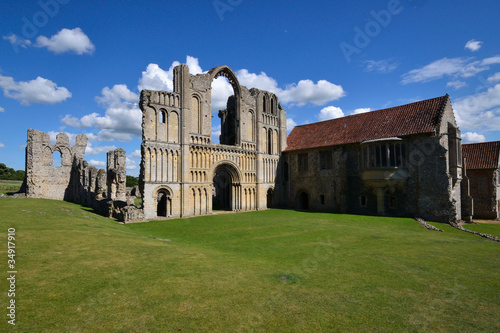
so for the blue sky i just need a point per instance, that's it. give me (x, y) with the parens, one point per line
(78, 66)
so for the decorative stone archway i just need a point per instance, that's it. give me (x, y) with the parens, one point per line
(163, 199)
(226, 193)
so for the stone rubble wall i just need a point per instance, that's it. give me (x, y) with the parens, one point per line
(75, 180)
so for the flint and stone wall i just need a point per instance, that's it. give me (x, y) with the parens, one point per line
(74, 180)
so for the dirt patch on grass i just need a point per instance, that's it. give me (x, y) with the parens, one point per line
(487, 221)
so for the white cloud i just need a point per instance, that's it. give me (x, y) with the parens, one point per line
(90, 150)
(290, 124)
(40, 91)
(216, 131)
(494, 78)
(480, 110)
(155, 78)
(455, 67)
(457, 84)
(21, 146)
(380, 66)
(2, 109)
(97, 164)
(136, 154)
(130, 164)
(122, 118)
(361, 110)
(473, 45)
(16, 41)
(306, 91)
(259, 81)
(473, 137)
(67, 40)
(2, 145)
(330, 112)
(53, 137)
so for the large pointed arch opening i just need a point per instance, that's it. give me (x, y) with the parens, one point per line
(226, 105)
(226, 193)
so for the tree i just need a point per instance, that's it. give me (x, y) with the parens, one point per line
(132, 181)
(10, 174)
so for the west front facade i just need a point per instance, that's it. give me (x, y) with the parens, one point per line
(183, 173)
(401, 161)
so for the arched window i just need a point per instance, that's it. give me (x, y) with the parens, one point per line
(272, 105)
(56, 158)
(162, 117)
(270, 141)
(264, 102)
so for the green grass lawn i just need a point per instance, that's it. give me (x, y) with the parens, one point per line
(274, 270)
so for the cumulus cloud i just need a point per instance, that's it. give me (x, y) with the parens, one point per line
(40, 91)
(473, 45)
(121, 121)
(480, 110)
(216, 131)
(135, 154)
(53, 137)
(380, 66)
(131, 164)
(155, 78)
(91, 150)
(457, 84)
(290, 124)
(330, 112)
(97, 163)
(306, 91)
(494, 78)
(301, 93)
(66, 40)
(2, 109)
(472, 137)
(455, 67)
(259, 81)
(2, 145)
(361, 110)
(16, 41)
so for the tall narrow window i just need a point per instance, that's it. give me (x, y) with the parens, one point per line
(57, 158)
(162, 117)
(270, 141)
(264, 102)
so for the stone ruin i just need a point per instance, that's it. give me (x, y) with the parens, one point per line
(74, 179)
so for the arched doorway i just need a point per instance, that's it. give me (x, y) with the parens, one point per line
(226, 189)
(270, 194)
(304, 201)
(164, 203)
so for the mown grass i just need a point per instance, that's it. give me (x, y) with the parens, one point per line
(273, 270)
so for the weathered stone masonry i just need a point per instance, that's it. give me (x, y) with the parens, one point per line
(74, 180)
(183, 173)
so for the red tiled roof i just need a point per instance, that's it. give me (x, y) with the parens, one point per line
(414, 118)
(481, 155)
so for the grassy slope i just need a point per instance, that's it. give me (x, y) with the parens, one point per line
(262, 271)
